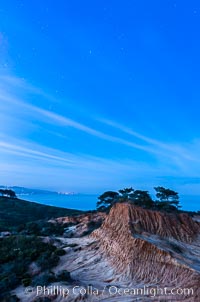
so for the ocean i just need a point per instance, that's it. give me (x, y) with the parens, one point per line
(79, 201)
(88, 202)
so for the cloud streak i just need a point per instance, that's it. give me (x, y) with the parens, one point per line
(39, 152)
(169, 159)
(57, 119)
(174, 151)
(152, 146)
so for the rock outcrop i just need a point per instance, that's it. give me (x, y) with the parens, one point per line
(150, 247)
(80, 225)
(132, 219)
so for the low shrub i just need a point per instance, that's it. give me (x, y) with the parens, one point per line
(60, 252)
(44, 279)
(64, 275)
(17, 253)
(26, 282)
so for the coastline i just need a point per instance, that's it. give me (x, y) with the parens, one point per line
(88, 201)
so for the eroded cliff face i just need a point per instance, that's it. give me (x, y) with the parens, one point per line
(125, 218)
(150, 247)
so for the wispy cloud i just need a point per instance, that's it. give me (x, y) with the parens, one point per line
(173, 159)
(175, 151)
(36, 160)
(150, 145)
(22, 151)
(58, 119)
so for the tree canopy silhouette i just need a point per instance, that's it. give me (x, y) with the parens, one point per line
(167, 199)
(107, 199)
(8, 193)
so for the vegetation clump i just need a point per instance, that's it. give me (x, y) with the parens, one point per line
(7, 193)
(167, 199)
(64, 275)
(17, 253)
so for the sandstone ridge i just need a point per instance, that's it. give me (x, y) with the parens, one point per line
(150, 247)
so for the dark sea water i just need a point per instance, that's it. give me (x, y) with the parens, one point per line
(88, 202)
(79, 201)
(190, 202)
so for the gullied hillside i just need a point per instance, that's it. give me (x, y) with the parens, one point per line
(150, 247)
(125, 218)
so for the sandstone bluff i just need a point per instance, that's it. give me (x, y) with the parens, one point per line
(133, 248)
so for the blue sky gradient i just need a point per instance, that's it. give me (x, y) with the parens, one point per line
(98, 95)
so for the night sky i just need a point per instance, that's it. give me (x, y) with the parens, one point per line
(98, 95)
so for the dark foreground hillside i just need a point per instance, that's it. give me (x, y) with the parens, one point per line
(15, 212)
(116, 252)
